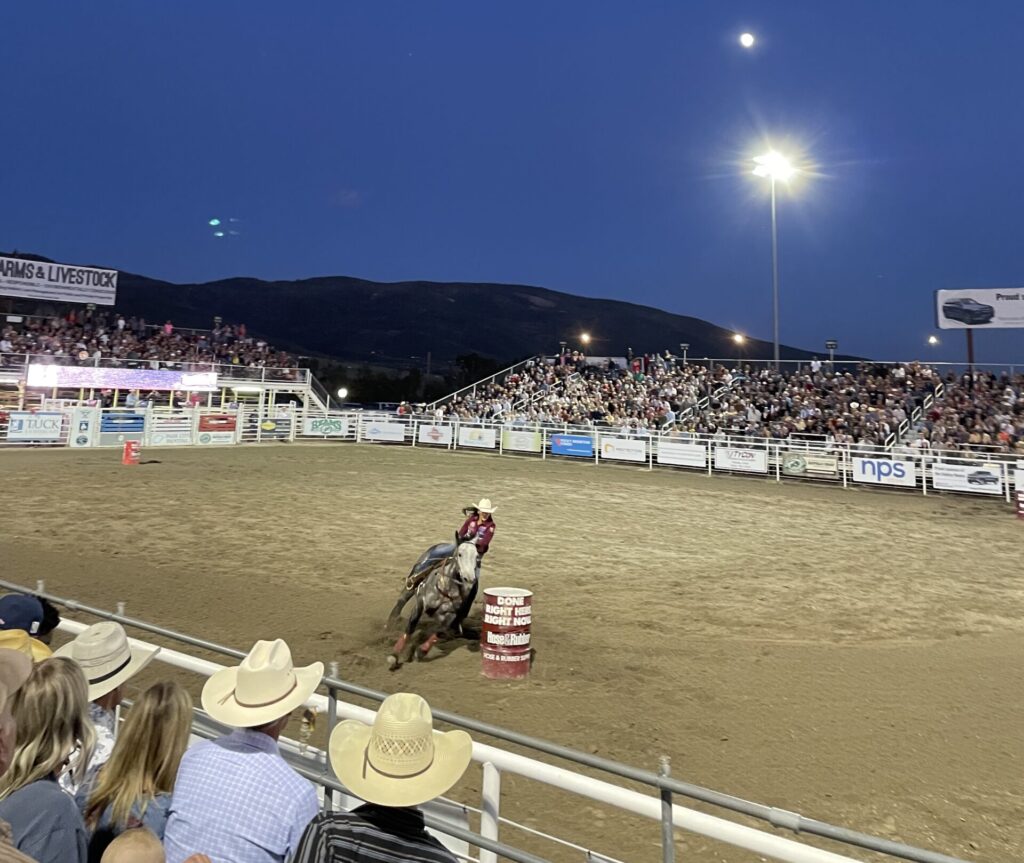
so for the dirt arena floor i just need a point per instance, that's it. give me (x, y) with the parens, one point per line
(856, 656)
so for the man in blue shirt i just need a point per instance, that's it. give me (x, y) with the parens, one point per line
(235, 799)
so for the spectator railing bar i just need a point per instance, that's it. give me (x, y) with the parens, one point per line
(472, 388)
(772, 815)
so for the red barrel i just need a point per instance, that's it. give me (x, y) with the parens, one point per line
(132, 448)
(505, 637)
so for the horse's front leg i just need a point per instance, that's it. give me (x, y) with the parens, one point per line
(439, 622)
(402, 651)
(396, 612)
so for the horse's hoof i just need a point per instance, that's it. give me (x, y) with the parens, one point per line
(392, 662)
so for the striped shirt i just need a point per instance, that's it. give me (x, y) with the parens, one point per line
(370, 834)
(237, 801)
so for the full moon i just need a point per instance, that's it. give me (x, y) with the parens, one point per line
(747, 40)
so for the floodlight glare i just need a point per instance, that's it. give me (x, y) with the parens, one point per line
(774, 165)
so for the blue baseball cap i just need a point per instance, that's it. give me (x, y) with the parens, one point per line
(18, 611)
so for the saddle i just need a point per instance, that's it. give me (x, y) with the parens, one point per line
(415, 579)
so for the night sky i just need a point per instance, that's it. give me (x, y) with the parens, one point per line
(598, 148)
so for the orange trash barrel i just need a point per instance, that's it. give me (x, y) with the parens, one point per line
(132, 448)
(505, 637)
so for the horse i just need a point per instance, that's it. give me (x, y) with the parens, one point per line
(436, 601)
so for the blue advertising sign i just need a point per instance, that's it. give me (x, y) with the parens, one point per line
(122, 422)
(579, 445)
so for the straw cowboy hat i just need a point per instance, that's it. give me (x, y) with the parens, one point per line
(106, 656)
(400, 760)
(485, 505)
(265, 687)
(15, 668)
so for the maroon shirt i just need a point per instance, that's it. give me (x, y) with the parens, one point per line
(481, 530)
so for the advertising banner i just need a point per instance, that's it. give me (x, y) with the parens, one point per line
(980, 308)
(91, 377)
(737, 458)
(809, 464)
(325, 426)
(84, 422)
(394, 432)
(170, 430)
(521, 441)
(276, 428)
(439, 435)
(578, 445)
(217, 429)
(28, 426)
(482, 438)
(979, 478)
(40, 280)
(623, 449)
(683, 454)
(884, 471)
(116, 428)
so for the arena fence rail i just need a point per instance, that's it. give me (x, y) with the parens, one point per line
(496, 761)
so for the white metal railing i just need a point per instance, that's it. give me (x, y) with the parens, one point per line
(496, 761)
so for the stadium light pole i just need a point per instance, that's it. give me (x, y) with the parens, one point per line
(775, 167)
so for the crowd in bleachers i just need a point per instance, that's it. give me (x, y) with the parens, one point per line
(868, 405)
(77, 786)
(84, 336)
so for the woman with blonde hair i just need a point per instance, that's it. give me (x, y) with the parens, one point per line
(53, 731)
(133, 789)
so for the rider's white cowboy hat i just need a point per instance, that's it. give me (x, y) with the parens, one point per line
(485, 505)
(400, 760)
(265, 687)
(106, 656)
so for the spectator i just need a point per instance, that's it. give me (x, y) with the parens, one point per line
(133, 789)
(52, 719)
(22, 620)
(235, 799)
(15, 668)
(134, 846)
(395, 766)
(109, 661)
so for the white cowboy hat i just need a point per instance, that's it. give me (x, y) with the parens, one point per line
(485, 505)
(265, 687)
(107, 658)
(400, 760)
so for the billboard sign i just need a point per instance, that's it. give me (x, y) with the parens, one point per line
(173, 430)
(884, 471)
(52, 376)
(382, 431)
(521, 441)
(435, 435)
(682, 454)
(62, 283)
(577, 445)
(742, 459)
(29, 426)
(623, 449)
(980, 308)
(216, 429)
(809, 464)
(116, 428)
(480, 438)
(980, 478)
(84, 422)
(325, 426)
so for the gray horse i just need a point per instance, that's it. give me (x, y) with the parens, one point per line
(437, 598)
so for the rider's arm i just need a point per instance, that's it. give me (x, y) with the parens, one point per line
(464, 530)
(483, 537)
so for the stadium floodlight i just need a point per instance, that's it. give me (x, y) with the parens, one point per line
(585, 338)
(739, 338)
(933, 340)
(343, 393)
(775, 167)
